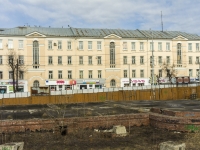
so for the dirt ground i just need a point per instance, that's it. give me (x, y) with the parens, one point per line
(140, 138)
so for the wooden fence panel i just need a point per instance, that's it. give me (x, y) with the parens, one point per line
(101, 97)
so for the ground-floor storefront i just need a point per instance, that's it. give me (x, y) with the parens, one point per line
(6, 86)
(125, 82)
(90, 83)
(60, 85)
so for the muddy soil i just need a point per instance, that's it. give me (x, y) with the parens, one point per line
(139, 138)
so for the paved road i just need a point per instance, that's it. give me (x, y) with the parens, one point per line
(94, 109)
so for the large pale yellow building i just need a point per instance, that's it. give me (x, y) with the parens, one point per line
(77, 58)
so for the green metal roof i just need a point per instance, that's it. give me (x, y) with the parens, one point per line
(96, 33)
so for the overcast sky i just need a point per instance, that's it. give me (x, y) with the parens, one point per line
(178, 15)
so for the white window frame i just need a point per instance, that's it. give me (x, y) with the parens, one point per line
(125, 73)
(50, 45)
(60, 45)
(1, 44)
(59, 74)
(160, 46)
(50, 74)
(99, 60)
(1, 74)
(141, 73)
(69, 74)
(21, 75)
(133, 59)
(10, 44)
(197, 47)
(141, 60)
(50, 60)
(69, 45)
(59, 60)
(1, 59)
(89, 60)
(189, 46)
(69, 60)
(190, 59)
(124, 45)
(89, 74)
(133, 73)
(80, 60)
(99, 74)
(89, 45)
(98, 45)
(167, 46)
(81, 74)
(21, 44)
(21, 59)
(152, 46)
(80, 45)
(141, 46)
(133, 46)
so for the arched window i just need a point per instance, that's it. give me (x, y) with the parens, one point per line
(36, 84)
(179, 54)
(112, 83)
(112, 55)
(35, 54)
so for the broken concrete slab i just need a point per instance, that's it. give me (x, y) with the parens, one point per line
(12, 146)
(170, 145)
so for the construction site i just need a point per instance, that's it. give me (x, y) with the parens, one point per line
(142, 119)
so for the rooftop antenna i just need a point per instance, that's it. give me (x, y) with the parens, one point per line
(161, 21)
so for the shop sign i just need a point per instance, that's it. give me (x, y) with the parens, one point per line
(60, 82)
(72, 82)
(11, 83)
(138, 81)
(90, 81)
(182, 79)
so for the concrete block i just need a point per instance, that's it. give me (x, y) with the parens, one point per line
(12, 146)
(119, 129)
(170, 145)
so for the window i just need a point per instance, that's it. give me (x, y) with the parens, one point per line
(190, 72)
(59, 44)
(90, 60)
(36, 54)
(133, 73)
(125, 73)
(99, 60)
(179, 53)
(21, 59)
(132, 45)
(151, 46)
(90, 74)
(159, 46)
(69, 45)
(151, 73)
(189, 46)
(49, 44)
(69, 74)
(50, 74)
(1, 45)
(81, 74)
(69, 60)
(59, 74)
(190, 59)
(133, 59)
(36, 84)
(159, 60)
(197, 72)
(98, 45)
(151, 60)
(1, 75)
(10, 59)
(168, 46)
(50, 60)
(168, 59)
(21, 45)
(81, 45)
(99, 73)
(125, 59)
(10, 44)
(112, 83)
(90, 45)
(142, 73)
(141, 45)
(81, 60)
(1, 60)
(10, 74)
(141, 59)
(60, 60)
(197, 60)
(197, 46)
(112, 55)
(124, 45)
(21, 75)
(160, 73)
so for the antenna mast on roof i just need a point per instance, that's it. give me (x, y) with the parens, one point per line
(161, 21)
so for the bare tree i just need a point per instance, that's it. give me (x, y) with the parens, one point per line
(169, 70)
(17, 67)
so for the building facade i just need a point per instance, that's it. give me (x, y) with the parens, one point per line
(76, 58)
